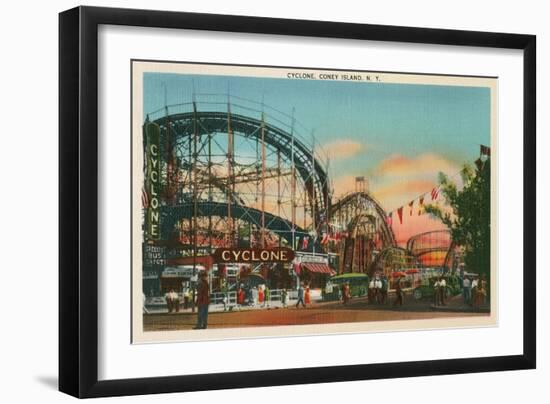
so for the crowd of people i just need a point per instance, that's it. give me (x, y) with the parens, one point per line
(474, 293)
(378, 290)
(440, 291)
(474, 290)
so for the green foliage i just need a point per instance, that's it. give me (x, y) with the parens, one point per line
(469, 218)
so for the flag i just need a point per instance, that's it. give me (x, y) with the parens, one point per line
(389, 219)
(305, 241)
(400, 214)
(411, 203)
(484, 150)
(479, 164)
(435, 193)
(144, 198)
(324, 238)
(420, 205)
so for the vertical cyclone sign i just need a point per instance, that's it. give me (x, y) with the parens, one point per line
(152, 181)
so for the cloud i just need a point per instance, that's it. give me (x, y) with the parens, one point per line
(426, 164)
(343, 185)
(398, 179)
(342, 149)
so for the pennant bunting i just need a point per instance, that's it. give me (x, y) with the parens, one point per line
(389, 219)
(411, 203)
(420, 205)
(400, 214)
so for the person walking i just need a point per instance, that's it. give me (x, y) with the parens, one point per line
(267, 296)
(442, 290)
(466, 284)
(186, 298)
(398, 293)
(473, 292)
(169, 297)
(436, 292)
(377, 290)
(284, 296)
(484, 289)
(300, 296)
(307, 296)
(240, 296)
(384, 290)
(346, 295)
(371, 292)
(203, 300)
(481, 292)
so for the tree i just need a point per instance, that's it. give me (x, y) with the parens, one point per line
(469, 216)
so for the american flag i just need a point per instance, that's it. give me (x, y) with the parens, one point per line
(435, 193)
(144, 198)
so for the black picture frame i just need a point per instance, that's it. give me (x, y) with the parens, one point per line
(78, 200)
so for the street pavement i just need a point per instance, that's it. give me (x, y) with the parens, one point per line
(358, 310)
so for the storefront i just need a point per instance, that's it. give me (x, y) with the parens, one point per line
(313, 270)
(177, 278)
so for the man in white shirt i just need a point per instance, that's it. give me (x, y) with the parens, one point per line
(466, 285)
(442, 290)
(377, 289)
(473, 291)
(436, 292)
(371, 294)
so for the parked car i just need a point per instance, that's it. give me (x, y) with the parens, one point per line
(358, 283)
(426, 289)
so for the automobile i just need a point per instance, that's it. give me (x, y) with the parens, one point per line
(359, 285)
(426, 289)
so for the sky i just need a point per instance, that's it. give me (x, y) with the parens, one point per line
(399, 136)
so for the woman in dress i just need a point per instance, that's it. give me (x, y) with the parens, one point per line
(307, 297)
(260, 295)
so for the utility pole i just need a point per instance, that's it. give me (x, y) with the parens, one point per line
(229, 172)
(292, 183)
(262, 236)
(313, 200)
(193, 184)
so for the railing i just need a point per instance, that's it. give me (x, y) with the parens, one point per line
(229, 299)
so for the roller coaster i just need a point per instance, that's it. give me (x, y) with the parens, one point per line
(235, 172)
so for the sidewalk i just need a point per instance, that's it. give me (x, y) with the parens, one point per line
(159, 309)
(456, 304)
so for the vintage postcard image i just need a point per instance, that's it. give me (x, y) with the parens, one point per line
(271, 201)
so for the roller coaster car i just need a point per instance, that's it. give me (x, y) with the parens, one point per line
(427, 288)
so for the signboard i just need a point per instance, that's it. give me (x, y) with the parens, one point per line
(153, 255)
(253, 255)
(152, 152)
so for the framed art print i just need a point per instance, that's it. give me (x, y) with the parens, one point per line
(236, 188)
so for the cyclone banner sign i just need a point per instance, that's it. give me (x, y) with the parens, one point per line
(152, 134)
(253, 255)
